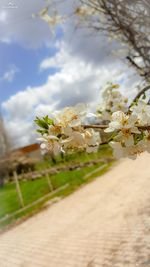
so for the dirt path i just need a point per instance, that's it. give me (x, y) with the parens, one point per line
(104, 224)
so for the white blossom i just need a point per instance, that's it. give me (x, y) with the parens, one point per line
(131, 151)
(135, 150)
(118, 150)
(121, 121)
(125, 137)
(142, 111)
(82, 139)
(50, 143)
(74, 141)
(54, 130)
(92, 140)
(71, 116)
(112, 100)
(126, 132)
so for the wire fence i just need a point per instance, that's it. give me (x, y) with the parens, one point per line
(20, 198)
(25, 195)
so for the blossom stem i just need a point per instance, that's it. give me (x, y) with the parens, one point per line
(101, 126)
(95, 126)
(146, 88)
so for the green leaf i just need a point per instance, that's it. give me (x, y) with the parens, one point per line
(48, 120)
(42, 131)
(41, 123)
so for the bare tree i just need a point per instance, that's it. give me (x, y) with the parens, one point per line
(5, 144)
(127, 20)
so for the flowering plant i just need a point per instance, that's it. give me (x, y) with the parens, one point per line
(127, 126)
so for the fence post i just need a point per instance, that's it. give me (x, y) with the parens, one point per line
(49, 182)
(18, 189)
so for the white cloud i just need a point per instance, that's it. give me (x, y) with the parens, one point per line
(9, 75)
(3, 16)
(5, 40)
(76, 82)
(20, 132)
(19, 26)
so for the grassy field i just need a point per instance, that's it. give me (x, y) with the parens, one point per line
(104, 152)
(33, 190)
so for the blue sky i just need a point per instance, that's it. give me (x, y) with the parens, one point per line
(26, 61)
(40, 73)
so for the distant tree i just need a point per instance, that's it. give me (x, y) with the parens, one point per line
(5, 143)
(15, 161)
(5, 147)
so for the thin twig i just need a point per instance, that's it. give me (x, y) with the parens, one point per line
(95, 126)
(103, 127)
(146, 88)
(144, 127)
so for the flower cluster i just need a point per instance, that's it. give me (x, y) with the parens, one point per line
(127, 129)
(112, 100)
(129, 139)
(65, 132)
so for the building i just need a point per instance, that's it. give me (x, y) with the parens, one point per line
(32, 151)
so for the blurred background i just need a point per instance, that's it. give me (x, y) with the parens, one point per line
(42, 71)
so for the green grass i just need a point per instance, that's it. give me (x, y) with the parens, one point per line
(33, 190)
(104, 152)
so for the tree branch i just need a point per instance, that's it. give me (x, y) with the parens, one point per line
(146, 88)
(103, 127)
